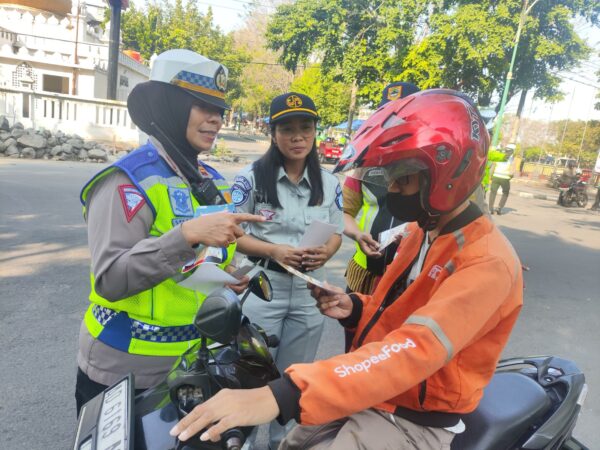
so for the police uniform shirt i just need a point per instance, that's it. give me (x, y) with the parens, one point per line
(286, 225)
(126, 260)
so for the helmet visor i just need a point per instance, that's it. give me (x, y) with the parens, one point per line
(386, 175)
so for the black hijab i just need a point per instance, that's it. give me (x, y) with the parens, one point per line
(162, 111)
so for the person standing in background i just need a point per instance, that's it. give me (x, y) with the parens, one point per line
(502, 173)
(288, 187)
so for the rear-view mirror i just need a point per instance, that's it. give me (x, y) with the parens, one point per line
(219, 316)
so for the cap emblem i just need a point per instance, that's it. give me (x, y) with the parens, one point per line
(395, 92)
(293, 101)
(221, 79)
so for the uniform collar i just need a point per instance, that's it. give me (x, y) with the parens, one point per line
(163, 153)
(471, 213)
(281, 175)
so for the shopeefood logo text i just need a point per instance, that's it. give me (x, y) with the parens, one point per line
(365, 365)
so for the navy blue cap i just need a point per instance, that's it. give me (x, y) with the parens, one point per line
(396, 90)
(292, 104)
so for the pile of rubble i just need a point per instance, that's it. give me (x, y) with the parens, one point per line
(20, 142)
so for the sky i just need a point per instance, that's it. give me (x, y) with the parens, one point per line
(580, 85)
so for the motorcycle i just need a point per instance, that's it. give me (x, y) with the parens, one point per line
(531, 403)
(237, 358)
(576, 192)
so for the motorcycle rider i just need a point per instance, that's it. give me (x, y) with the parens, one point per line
(566, 179)
(366, 215)
(142, 228)
(428, 339)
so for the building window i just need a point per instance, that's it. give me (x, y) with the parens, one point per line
(123, 81)
(52, 83)
(23, 77)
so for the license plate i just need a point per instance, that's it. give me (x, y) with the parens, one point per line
(112, 431)
(105, 421)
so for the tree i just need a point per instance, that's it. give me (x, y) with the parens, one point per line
(581, 140)
(470, 45)
(262, 78)
(164, 25)
(358, 42)
(332, 98)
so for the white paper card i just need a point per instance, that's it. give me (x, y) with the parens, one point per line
(207, 278)
(388, 237)
(317, 234)
(240, 272)
(306, 277)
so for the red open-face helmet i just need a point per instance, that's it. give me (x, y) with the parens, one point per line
(437, 132)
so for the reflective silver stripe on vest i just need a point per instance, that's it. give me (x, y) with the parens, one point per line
(436, 330)
(150, 181)
(147, 331)
(460, 239)
(450, 267)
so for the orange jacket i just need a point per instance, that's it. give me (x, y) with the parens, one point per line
(434, 347)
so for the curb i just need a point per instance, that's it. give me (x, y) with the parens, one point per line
(537, 196)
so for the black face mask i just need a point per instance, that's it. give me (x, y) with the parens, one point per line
(406, 208)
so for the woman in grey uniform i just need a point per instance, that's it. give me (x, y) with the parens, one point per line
(288, 187)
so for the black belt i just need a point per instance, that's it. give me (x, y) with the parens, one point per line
(267, 264)
(433, 419)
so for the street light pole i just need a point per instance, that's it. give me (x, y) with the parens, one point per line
(113, 49)
(524, 11)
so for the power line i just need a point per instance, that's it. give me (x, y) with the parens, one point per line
(579, 81)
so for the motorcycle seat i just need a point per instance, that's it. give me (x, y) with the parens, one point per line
(511, 404)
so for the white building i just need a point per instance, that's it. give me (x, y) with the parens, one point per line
(53, 61)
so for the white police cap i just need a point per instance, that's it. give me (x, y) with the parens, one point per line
(203, 78)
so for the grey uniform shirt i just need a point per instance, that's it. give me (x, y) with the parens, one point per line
(286, 225)
(126, 260)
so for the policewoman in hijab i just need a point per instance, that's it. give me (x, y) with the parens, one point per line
(151, 216)
(288, 187)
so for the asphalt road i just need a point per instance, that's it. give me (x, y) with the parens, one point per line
(44, 286)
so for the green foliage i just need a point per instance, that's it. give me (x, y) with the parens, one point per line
(354, 40)
(533, 153)
(162, 25)
(574, 140)
(263, 80)
(331, 97)
(470, 45)
(221, 150)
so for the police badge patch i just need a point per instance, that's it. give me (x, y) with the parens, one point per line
(221, 79)
(239, 195)
(132, 200)
(181, 202)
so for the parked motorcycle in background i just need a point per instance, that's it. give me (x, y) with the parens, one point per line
(575, 193)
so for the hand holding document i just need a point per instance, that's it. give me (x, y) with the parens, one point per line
(207, 277)
(390, 236)
(307, 278)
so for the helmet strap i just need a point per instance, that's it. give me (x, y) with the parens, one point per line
(428, 221)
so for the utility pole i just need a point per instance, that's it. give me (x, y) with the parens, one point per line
(113, 47)
(524, 11)
(566, 123)
(75, 55)
(353, 92)
(585, 130)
